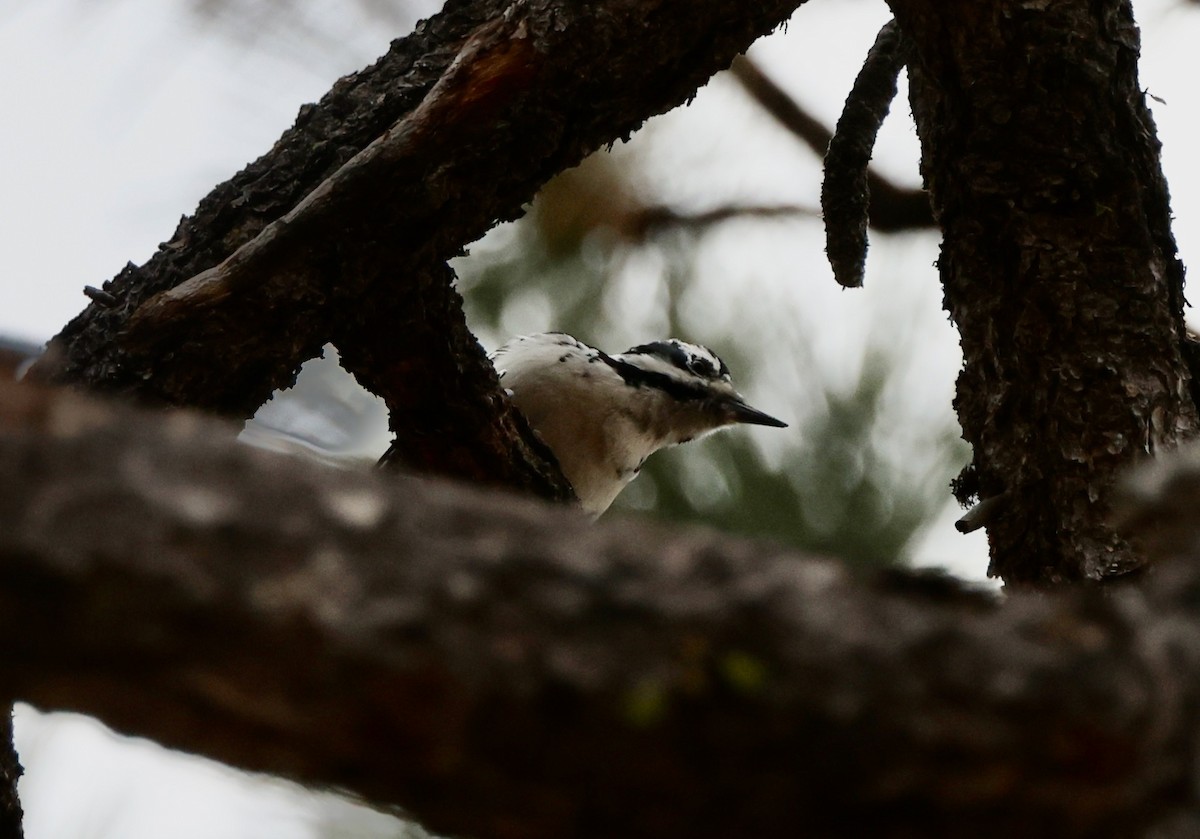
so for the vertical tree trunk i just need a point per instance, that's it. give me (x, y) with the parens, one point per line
(1058, 264)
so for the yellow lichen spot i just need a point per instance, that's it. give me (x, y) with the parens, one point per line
(743, 672)
(645, 704)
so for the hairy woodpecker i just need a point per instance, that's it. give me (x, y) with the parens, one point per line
(602, 415)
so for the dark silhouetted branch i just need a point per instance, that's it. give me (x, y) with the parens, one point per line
(893, 208)
(661, 219)
(846, 195)
(502, 668)
(11, 815)
(342, 231)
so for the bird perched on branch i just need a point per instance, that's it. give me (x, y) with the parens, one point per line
(602, 415)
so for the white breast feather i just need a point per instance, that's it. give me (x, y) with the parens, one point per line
(582, 409)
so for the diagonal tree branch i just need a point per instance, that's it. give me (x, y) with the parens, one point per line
(893, 208)
(359, 108)
(505, 669)
(363, 201)
(656, 219)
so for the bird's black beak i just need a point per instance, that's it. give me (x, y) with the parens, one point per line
(741, 412)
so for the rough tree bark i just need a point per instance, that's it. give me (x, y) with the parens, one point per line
(1059, 267)
(12, 357)
(11, 816)
(486, 103)
(1059, 270)
(1038, 152)
(503, 668)
(362, 202)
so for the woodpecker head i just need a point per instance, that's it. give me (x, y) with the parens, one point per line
(602, 415)
(693, 383)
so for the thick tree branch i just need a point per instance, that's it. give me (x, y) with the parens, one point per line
(495, 65)
(504, 669)
(363, 201)
(354, 113)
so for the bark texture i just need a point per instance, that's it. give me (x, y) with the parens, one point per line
(360, 204)
(846, 199)
(504, 669)
(500, 668)
(1058, 264)
(13, 357)
(11, 816)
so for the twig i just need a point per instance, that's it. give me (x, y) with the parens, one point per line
(845, 192)
(658, 219)
(893, 208)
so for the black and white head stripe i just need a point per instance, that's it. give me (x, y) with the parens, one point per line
(685, 372)
(688, 358)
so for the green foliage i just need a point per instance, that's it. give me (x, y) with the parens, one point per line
(839, 482)
(838, 490)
